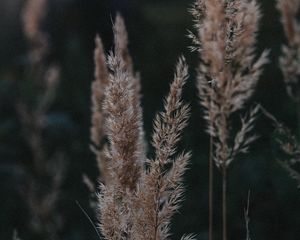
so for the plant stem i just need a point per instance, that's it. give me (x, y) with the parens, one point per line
(224, 202)
(210, 189)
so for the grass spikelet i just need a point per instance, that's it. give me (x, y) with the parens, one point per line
(227, 74)
(291, 51)
(122, 125)
(101, 82)
(160, 193)
(97, 131)
(139, 202)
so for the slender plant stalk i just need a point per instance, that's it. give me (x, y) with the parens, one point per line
(247, 218)
(228, 72)
(225, 157)
(224, 203)
(289, 64)
(47, 170)
(289, 60)
(210, 189)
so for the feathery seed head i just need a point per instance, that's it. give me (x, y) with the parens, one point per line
(289, 61)
(228, 71)
(98, 87)
(122, 125)
(139, 203)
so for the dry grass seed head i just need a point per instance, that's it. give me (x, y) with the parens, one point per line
(122, 125)
(289, 61)
(160, 194)
(228, 71)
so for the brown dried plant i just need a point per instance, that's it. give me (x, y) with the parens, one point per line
(47, 169)
(227, 75)
(97, 127)
(289, 61)
(160, 191)
(139, 196)
(98, 136)
(289, 64)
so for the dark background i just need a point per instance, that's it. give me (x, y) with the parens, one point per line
(157, 33)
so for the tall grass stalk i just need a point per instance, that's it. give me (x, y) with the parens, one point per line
(47, 168)
(247, 217)
(211, 190)
(140, 194)
(289, 61)
(228, 71)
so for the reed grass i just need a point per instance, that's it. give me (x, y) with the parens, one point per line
(47, 170)
(287, 142)
(139, 195)
(290, 51)
(228, 72)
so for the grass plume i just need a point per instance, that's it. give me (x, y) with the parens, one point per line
(228, 72)
(47, 168)
(291, 51)
(141, 194)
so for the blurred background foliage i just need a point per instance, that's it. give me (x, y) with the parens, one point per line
(157, 33)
